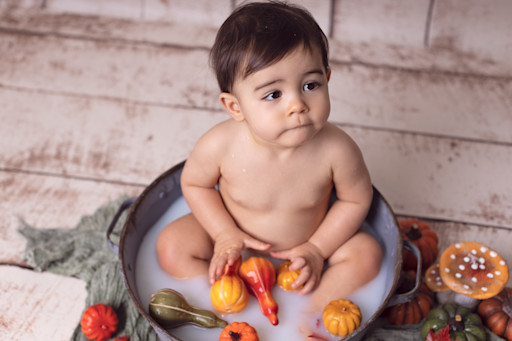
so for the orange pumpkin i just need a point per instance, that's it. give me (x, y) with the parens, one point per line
(239, 331)
(99, 322)
(286, 277)
(341, 317)
(496, 312)
(420, 234)
(415, 310)
(229, 293)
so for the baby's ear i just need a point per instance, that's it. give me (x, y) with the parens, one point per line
(230, 103)
(328, 74)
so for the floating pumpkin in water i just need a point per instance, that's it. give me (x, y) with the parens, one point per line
(496, 312)
(229, 293)
(99, 322)
(286, 277)
(341, 317)
(170, 309)
(239, 331)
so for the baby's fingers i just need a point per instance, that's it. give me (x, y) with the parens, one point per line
(216, 268)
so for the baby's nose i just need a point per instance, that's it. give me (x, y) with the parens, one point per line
(297, 105)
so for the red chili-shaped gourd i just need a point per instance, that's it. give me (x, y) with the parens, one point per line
(259, 275)
(99, 322)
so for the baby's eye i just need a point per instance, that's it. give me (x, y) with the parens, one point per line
(272, 96)
(310, 86)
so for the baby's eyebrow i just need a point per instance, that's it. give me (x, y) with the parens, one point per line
(267, 84)
(315, 71)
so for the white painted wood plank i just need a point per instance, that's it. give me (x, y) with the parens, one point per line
(320, 9)
(39, 306)
(197, 12)
(96, 138)
(460, 39)
(426, 176)
(48, 202)
(389, 22)
(478, 30)
(439, 178)
(9, 5)
(462, 106)
(136, 72)
(131, 9)
(415, 101)
(106, 28)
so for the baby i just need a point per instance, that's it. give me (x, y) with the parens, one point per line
(276, 161)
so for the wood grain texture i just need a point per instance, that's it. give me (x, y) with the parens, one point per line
(97, 107)
(48, 201)
(39, 306)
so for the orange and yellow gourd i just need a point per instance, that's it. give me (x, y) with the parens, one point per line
(229, 293)
(259, 275)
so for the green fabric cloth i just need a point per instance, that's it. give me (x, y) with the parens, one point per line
(82, 252)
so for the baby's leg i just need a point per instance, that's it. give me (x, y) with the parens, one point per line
(184, 248)
(353, 265)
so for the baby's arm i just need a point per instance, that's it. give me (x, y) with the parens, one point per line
(354, 191)
(200, 175)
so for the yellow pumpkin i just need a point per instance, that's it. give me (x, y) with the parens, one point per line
(285, 276)
(229, 293)
(341, 317)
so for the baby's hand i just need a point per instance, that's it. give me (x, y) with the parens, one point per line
(308, 259)
(228, 248)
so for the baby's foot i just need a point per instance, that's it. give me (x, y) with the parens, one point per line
(311, 329)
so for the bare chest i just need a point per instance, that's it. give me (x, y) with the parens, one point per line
(268, 186)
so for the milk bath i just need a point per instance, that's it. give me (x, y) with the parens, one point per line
(149, 278)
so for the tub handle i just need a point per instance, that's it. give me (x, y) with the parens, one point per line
(408, 296)
(124, 206)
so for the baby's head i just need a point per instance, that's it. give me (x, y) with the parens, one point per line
(257, 35)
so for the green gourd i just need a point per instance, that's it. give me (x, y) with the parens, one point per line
(464, 325)
(170, 309)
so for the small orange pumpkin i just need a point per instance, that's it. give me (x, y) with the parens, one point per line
(229, 293)
(496, 312)
(99, 322)
(415, 310)
(420, 234)
(341, 317)
(286, 277)
(239, 331)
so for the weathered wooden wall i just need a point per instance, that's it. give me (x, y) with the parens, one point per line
(97, 98)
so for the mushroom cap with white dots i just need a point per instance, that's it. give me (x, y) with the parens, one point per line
(473, 269)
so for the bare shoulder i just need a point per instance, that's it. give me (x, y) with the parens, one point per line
(336, 140)
(217, 138)
(347, 162)
(203, 163)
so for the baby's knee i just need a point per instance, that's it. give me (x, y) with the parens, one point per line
(372, 258)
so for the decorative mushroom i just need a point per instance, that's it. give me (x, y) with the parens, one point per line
(435, 283)
(473, 270)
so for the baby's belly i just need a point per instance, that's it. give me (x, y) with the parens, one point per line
(282, 230)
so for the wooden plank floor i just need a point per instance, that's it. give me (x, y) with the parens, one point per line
(93, 108)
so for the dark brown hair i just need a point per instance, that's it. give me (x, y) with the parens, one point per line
(259, 34)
